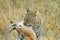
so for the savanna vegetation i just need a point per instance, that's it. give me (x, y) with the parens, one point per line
(15, 10)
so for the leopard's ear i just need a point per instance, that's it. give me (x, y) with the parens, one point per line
(29, 10)
(35, 11)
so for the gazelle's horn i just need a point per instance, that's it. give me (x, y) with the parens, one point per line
(11, 27)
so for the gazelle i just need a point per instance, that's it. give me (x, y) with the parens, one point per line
(21, 28)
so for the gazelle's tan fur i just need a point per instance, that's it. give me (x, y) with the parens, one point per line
(28, 31)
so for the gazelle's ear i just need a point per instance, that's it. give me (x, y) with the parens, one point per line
(11, 21)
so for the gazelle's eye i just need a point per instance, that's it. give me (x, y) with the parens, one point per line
(19, 25)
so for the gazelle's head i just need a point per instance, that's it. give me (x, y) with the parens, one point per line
(15, 26)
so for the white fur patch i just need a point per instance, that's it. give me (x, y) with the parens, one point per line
(20, 24)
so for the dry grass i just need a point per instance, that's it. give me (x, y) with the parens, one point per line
(15, 10)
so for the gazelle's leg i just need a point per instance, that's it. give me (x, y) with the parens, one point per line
(28, 31)
(20, 36)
